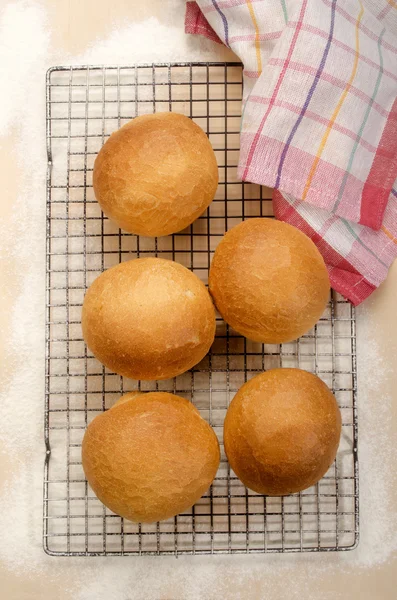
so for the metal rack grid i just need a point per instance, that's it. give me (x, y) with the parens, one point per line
(84, 105)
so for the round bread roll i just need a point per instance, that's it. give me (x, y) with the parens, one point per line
(148, 318)
(268, 281)
(282, 431)
(150, 457)
(156, 174)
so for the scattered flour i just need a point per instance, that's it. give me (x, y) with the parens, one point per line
(377, 452)
(26, 52)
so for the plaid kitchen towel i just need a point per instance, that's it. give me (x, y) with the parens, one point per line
(320, 121)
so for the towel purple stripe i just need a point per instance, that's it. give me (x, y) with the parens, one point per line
(224, 20)
(309, 96)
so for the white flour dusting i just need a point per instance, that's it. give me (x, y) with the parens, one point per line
(378, 454)
(20, 55)
(26, 52)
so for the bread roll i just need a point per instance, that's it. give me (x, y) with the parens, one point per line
(282, 431)
(148, 318)
(268, 281)
(156, 174)
(150, 457)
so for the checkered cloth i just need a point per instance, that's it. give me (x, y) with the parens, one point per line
(320, 121)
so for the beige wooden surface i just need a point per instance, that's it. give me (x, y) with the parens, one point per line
(74, 26)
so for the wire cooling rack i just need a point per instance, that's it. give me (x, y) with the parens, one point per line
(84, 105)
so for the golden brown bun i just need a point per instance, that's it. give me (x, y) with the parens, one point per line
(156, 174)
(148, 318)
(268, 281)
(282, 431)
(150, 457)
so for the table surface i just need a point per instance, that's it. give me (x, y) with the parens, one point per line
(90, 31)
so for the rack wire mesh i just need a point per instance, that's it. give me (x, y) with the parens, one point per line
(84, 105)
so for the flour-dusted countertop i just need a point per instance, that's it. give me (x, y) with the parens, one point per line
(34, 36)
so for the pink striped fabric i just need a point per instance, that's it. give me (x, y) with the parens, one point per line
(320, 121)
(195, 22)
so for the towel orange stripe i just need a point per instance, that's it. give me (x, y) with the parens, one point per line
(257, 41)
(337, 108)
(389, 235)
